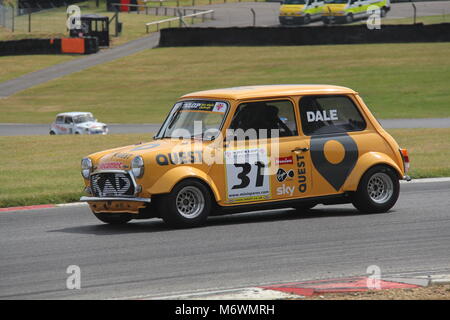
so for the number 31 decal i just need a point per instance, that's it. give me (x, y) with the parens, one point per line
(246, 180)
(246, 169)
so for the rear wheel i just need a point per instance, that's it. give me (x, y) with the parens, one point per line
(377, 191)
(188, 205)
(113, 218)
(52, 133)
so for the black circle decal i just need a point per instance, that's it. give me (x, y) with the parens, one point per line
(335, 174)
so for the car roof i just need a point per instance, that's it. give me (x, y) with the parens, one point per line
(72, 114)
(267, 91)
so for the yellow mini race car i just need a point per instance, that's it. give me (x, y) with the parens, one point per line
(250, 148)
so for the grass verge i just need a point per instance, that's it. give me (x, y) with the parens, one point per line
(46, 169)
(16, 66)
(396, 80)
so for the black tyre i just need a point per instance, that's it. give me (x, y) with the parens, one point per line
(188, 205)
(378, 190)
(307, 19)
(349, 18)
(52, 133)
(325, 21)
(113, 218)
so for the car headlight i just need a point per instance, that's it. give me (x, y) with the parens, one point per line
(137, 166)
(86, 167)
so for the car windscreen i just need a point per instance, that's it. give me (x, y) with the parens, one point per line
(294, 2)
(336, 1)
(194, 119)
(83, 118)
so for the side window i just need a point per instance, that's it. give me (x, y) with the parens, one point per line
(59, 119)
(268, 115)
(68, 120)
(329, 114)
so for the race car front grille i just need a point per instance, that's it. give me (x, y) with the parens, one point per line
(112, 184)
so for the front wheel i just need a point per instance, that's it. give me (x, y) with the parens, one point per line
(378, 190)
(188, 205)
(349, 18)
(113, 218)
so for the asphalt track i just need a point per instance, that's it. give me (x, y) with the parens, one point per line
(146, 259)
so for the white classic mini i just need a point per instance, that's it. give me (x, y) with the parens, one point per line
(77, 123)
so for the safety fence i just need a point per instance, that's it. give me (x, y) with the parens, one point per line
(275, 36)
(180, 20)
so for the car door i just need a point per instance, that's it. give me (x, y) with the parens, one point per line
(264, 156)
(335, 128)
(68, 125)
(317, 7)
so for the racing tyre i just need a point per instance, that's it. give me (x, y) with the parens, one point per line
(349, 18)
(113, 218)
(52, 133)
(378, 190)
(187, 206)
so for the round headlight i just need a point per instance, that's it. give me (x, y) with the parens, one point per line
(86, 167)
(137, 166)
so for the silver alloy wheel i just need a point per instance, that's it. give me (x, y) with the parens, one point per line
(190, 202)
(380, 188)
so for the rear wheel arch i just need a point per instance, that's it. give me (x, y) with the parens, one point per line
(364, 164)
(378, 190)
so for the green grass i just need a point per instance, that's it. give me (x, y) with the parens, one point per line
(396, 80)
(46, 169)
(16, 66)
(429, 150)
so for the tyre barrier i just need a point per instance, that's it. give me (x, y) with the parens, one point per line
(85, 45)
(285, 36)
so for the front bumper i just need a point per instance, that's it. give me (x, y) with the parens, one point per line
(94, 199)
(336, 18)
(291, 19)
(116, 204)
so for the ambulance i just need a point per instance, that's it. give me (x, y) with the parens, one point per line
(347, 11)
(300, 11)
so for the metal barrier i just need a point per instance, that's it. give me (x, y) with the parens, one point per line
(180, 19)
(157, 11)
